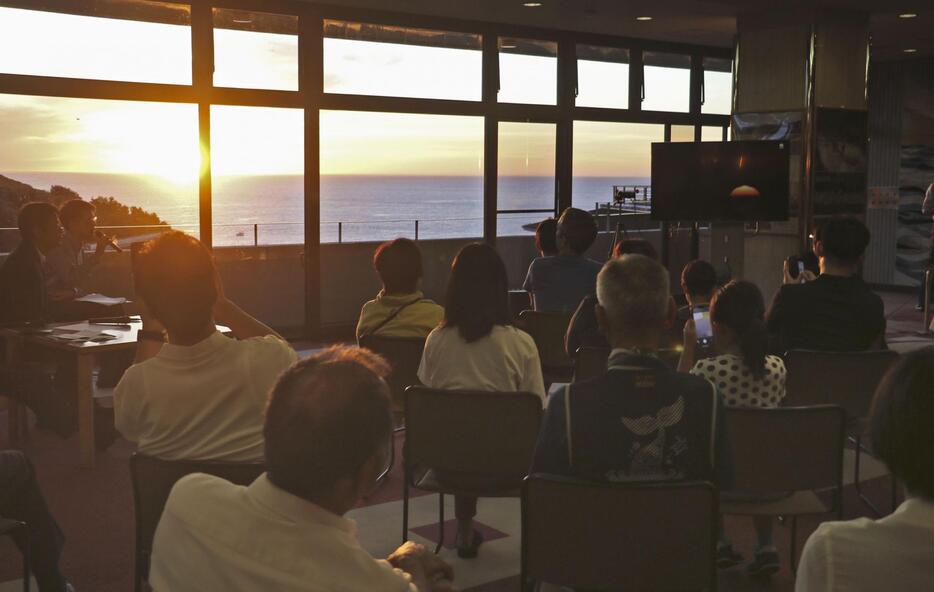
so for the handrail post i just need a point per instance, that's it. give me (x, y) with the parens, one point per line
(340, 232)
(925, 319)
(256, 235)
(416, 230)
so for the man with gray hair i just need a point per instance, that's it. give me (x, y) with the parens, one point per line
(641, 420)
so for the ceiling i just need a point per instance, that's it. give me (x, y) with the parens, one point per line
(703, 22)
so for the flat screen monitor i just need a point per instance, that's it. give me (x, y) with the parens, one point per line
(720, 181)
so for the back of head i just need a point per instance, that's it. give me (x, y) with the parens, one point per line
(74, 209)
(34, 216)
(399, 265)
(327, 416)
(699, 278)
(739, 306)
(545, 240)
(174, 275)
(844, 239)
(578, 229)
(635, 246)
(477, 296)
(634, 292)
(902, 416)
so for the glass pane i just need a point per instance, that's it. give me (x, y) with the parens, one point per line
(602, 77)
(718, 86)
(711, 133)
(682, 133)
(612, 154)
(257, 166)
(383, 174)
(667, 82)
(528, 71)
(255, 50)
(138, 162)
(526, 163)
(381, 60)
(519, 224)
(136, 42)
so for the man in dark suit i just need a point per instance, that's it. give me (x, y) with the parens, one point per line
(23, 295)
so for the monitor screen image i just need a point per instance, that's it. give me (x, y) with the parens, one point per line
(720, 181)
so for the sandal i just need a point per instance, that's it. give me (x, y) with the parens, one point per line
(469, 552)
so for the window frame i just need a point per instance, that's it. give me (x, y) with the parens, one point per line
(310, 97)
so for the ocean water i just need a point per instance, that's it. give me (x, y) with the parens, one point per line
(270, 209)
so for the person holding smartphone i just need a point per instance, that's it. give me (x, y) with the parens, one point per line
(745, 375)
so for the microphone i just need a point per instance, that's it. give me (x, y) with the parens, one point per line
(111, 242)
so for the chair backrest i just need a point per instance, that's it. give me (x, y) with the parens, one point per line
(404, 355)
(548, 330)
(519, 300)
(153, 479)
(848, 379)
(471, 431)
(615, 536)
(786, 448)
(590, 362)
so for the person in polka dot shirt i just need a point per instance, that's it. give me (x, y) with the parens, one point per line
(745, 376)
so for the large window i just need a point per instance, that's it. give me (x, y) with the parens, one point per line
(528, 71)
(137, 42)
(526, 181)
(667, 82)
(611, 154)
(385, 175)
(138, 160)
(602, 77)
(257, 164)
(255, 50)
(367, 59)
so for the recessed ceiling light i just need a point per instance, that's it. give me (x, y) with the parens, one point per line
(531, 4)
(910, 50)
(507, 46)
(243, 21)
(907, 15)
(643, 18)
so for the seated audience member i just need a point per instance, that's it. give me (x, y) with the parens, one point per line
(23, 296)
(698, 283)
(545, 240)
(836, 311)
(745, 376)
(200, 396)
(67, 265)
(641, 421)
(893, 553)
(327, 430)
(476, 348)
(400, 309)
(22, 500)
(583, 330)
(558, 283)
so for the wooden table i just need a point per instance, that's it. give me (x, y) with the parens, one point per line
(85, 353)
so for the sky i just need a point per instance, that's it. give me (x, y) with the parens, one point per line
(83, 135)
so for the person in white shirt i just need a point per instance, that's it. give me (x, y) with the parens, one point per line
(328, 429)
(476, 348)
(201, 395)
(895, 552)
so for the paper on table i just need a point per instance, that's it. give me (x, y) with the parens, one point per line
(101, 299)
(83, 332)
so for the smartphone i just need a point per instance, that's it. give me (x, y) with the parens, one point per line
(702, 325)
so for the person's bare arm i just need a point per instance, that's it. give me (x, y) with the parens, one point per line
(689, 353)
(429, 572)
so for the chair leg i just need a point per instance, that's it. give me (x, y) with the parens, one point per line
(440, 523)
(27, 576)
(794, 545)
(859, 492)
(405, 507)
